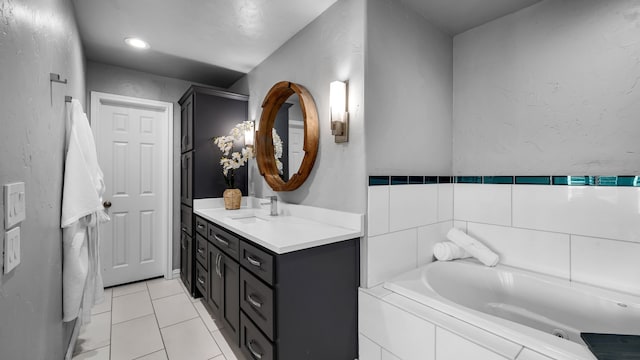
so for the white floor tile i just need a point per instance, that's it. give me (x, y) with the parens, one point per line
(158, 355)
(131, 306)
(159, 288)
(211, 323)
(127, 342)
(98, 354)
(219, 357)
(96, 334)
(105, 305)
(129, 288)
(189, 340)
(367, 349)
(388, 356)
(230, 353)
(174, 309)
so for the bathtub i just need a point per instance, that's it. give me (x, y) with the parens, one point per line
(541, 312)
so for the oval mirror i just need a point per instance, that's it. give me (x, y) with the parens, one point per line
(287, 137)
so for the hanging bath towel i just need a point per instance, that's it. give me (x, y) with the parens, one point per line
(82, 211)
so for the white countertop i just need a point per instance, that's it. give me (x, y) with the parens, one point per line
(296, 227)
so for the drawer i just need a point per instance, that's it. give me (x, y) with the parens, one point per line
(186, 214)
(253, 344)
(256, 300)
(225, 240)
(201, 279)
(201, 226)
(201, 250)
(257, 261)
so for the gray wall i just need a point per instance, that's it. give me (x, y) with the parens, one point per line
(329, 48)
(408, 93)
(36, 37)
(122, 81)
(552, 89)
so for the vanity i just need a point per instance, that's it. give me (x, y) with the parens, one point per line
(284, 286)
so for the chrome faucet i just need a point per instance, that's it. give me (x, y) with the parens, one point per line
(274, 205)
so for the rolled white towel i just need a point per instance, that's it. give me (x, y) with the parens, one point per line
(473, 247)
(445, 251)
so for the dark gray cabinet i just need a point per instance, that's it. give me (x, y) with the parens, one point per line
(186, 263)
(292, 306)
(205, 114)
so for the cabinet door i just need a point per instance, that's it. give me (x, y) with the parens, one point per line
(186, 260)
(186, 125)
(213, 298)
(186, 181)
(231, 295)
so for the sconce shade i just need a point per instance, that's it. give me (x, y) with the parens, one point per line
(339, 115)
(249, 135)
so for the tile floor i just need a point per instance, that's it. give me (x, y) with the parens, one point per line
(152, 320)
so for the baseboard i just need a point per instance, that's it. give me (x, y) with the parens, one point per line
(175, 274)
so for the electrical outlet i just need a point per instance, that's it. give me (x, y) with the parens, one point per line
(14, 204)
(11, 249)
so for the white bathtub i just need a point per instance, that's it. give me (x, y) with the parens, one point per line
(528, 308)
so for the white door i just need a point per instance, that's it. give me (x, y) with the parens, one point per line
(132, 142)
(296, 143)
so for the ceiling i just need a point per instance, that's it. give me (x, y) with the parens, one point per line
(215, 42)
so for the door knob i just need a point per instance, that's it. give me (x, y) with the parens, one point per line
(106, 204)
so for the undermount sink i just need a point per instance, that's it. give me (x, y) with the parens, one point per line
(249, 218)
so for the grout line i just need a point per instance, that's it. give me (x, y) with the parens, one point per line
(164, 346)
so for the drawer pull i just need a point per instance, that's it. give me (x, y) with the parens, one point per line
(218, 261)
(253, 302)
(222, 240)
(201, 281)
(200, 251)
(184, 229)
(256, 354)
(253, 261)
(200, 226)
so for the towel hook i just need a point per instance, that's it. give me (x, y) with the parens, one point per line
(53, 77)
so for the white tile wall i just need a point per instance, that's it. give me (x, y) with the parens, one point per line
(452, 347)
(539, 251)
(378, 210)
(390, 255)
(489, 204)
(395, 330)
(367, 349)
(411, 206)
(599, 211)
(445, 202)
(606, 263)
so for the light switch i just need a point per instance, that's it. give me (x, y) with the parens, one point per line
(14, 204)
(11, 249)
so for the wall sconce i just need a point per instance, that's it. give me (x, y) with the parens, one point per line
(249, 134)
(339, 114)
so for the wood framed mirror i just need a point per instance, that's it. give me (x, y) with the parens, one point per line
(271, 167)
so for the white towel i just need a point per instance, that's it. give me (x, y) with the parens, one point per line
(446, 251)
(473, 247)
(81, 212)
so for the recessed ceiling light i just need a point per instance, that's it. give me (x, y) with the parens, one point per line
(136, 43)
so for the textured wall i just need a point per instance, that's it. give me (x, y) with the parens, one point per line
(551, 89)
(408, 92)
(36, 37)
(329, 48)
(122, 81)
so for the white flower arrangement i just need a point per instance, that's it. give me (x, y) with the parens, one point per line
(231, 161)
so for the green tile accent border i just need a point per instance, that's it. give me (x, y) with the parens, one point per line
(566, 180)
(497, 179)
(533, 180)
(399, 180)
(469, 179)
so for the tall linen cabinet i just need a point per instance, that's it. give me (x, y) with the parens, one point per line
(205, 114)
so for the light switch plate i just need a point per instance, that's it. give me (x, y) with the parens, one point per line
(11, 249)
(14, 204)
